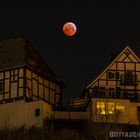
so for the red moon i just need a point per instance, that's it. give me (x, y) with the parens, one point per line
(69, 29)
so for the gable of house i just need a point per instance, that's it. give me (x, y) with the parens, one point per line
(24, 74)
(123, 74)
(17, 52)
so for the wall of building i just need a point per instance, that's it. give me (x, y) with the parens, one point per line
(113, 117)
(134, 113)
(39, 87)
(20, 113)
(11, 84)
(121, 79)
(128, 116)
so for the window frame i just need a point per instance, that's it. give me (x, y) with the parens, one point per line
(1, 86)
(106, 106)
(37, 112)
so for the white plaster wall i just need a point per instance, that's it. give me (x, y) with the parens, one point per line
(20, 113)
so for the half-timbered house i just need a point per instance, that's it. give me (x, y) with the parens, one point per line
(28, 87)
(116, 91)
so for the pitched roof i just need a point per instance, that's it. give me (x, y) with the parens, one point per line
(117, 57)
(16, 52)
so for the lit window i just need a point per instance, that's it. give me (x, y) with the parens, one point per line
(110, 107)
(100, 107)
(119, 108)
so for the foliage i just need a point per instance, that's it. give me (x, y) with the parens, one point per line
(104, 123)
(34, 133)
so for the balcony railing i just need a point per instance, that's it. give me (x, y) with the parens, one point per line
(128, 80)
(116, 93)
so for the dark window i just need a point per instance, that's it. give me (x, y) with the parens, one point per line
(37, 112)
(128, 78)
(138, 109)
(111, 75)
(125, 94)
(102, 91)
(138, 113)
(117, 75)
(136, 96)
(1, 87)
(118, 93)
(111, 93)
(95, 92)
(129, 95)
(129, 75)
(14, 76)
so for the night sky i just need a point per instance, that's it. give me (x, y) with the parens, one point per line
(104, 28)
